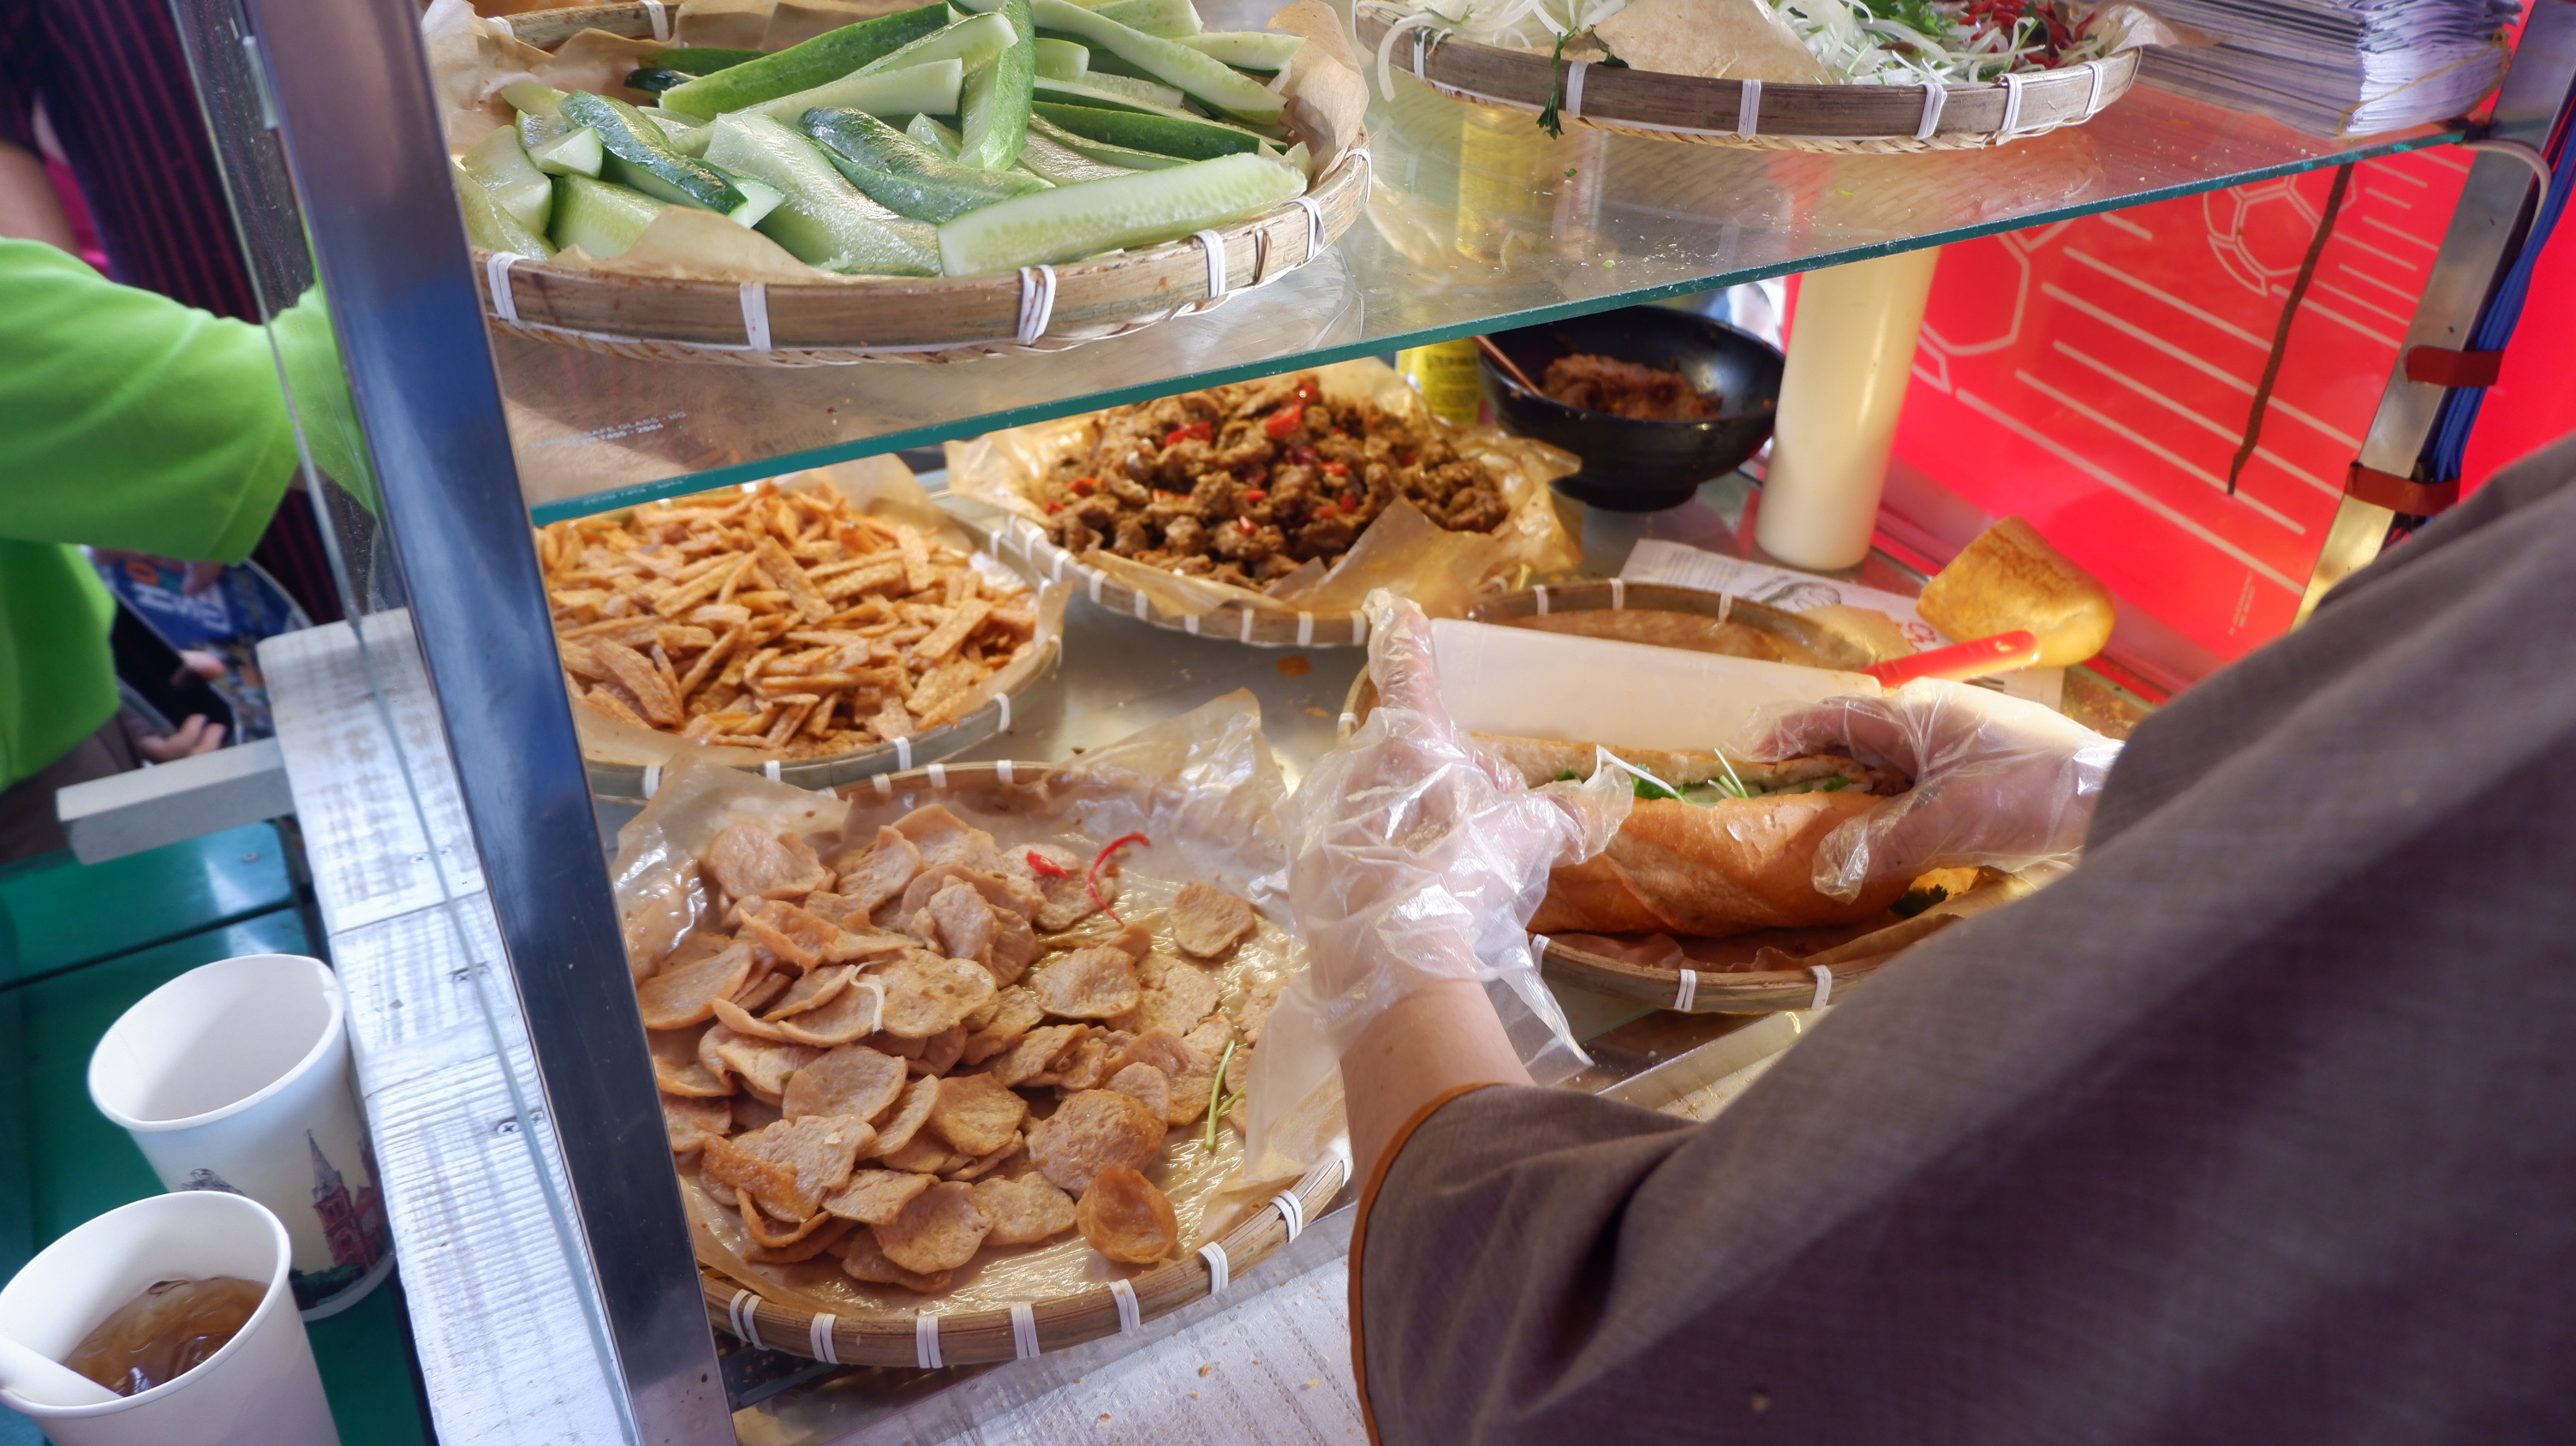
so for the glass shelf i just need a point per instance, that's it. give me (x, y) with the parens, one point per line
(1478, 222)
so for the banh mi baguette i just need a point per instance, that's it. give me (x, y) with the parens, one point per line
(1712, 867)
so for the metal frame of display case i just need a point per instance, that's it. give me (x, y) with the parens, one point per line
(344, 86)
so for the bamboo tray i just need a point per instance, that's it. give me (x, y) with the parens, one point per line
(901, 319)
(932, 1338)
(1869, 119)
(642, 781)
(1260, 627)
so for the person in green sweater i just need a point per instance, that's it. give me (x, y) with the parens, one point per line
(127, 420)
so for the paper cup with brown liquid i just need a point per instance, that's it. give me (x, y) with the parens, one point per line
(234, 1077)
(183, 1300)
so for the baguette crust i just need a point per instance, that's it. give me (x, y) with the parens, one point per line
(1729, 868)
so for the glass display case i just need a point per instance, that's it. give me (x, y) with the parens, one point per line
(458, 850)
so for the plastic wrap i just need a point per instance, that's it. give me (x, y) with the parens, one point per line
(1402, 550)
(1203, 787)
(1410, 861)
(1999, 782)
(880, 487)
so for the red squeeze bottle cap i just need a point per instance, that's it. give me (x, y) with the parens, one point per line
(1961, 661)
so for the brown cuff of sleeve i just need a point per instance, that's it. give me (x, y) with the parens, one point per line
(1359, 1241)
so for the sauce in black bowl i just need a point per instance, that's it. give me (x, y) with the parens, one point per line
(1631, 465)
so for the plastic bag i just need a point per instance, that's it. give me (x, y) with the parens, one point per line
(1410, 861)
(2000, 782)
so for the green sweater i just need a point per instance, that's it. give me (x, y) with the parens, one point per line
(126, 420)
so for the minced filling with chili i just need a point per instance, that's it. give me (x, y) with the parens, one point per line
(1246, 483)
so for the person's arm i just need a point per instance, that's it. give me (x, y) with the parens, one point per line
(129, 420)
(1436, 1041)
(29, 209)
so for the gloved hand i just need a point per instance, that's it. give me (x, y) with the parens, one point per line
(1412, 860)
(1998, 781)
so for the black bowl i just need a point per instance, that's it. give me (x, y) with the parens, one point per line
(1631, 465)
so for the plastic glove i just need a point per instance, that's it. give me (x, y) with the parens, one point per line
(1998, 781)
(1412, 860)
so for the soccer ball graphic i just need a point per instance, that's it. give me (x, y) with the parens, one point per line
(2260, 233)
(1984, 320)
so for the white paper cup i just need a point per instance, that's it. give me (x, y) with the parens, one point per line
(235, 1077)
(261, 1389)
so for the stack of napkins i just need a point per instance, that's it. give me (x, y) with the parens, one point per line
(2338, 67)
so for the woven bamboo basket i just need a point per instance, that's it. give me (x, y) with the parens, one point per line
(1040, 309)
(641, 781)
(1260, 627)
(1852, 119)
(931, 1338)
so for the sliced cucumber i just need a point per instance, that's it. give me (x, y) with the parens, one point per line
(653, 79)
(686, 133)
(994, 115)
(1063, 59)
(930, 89)
(1117, 92)
(599, 218)
(500, 166)
(899, 172)
(1170, 62)
(534, 98)
(490, 225)
(1071, 222)
(826, 57)
(937, 137)
(1067, 167)
(760, 199)
(1104, 153)
(1167, 135)
(973, 41)
(701, 59)
(824, 221)
(1170, 19)
(576, 152)
(1248, 49)
(641, 157)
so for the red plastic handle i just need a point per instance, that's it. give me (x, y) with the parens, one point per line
(1961, 661)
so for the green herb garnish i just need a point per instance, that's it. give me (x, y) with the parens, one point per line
(1569, 776)
(1649, 788)
(1218, 1100)
(1733, 784)
(1835, 784)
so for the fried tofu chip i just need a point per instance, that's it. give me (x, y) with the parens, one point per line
(1259, 1000)
(938, 1229)
(965, 921)
(874, 1197)
(775, 1234)
(850, 1079)
(1023, 1211)
(1016, 1011)
(1209, 921)
(927, 1154)
(944, 838)
(812, 991)
(750, 863)
(863, 1259)
(977, 1114)
(1092, 1131)
(1066, 899)
(939, 1052)
(1095, 983)
(925, 994)
(1126, 1218)
(690, 1120)
(853, 1014)
(825, 1233)
(1189, 1073)
(983, 1165)
(790, 1166)
(793, 934)
(1149, 1086)
(678, 998)
(872, 875)
(1087, 1066)
(911, 1112)
(762, 1065)
(675, 1064)
(1036, 1052)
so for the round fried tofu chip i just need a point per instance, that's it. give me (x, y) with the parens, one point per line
(1092, 1131)
(925, 994)
(874, 1197)
(813, 991)
(1014, 1012)
(678, 998)
(690, 1119)
(938, 1229)
(1208, 921)
(852, 1014)
(1023, 1211)
(977, 1114)
(1147, 1084)
(1126, 1218)
(919, 1098)
(1095, 983)
(851, 1079)
(863, 1259)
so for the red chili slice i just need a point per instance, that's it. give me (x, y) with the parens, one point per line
(1042, 864)
(1091, 879)
(1194, 432)
(1246, 524)
(1284, 421)
(1337, 469)
(1256, 495)
(1084, 485)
